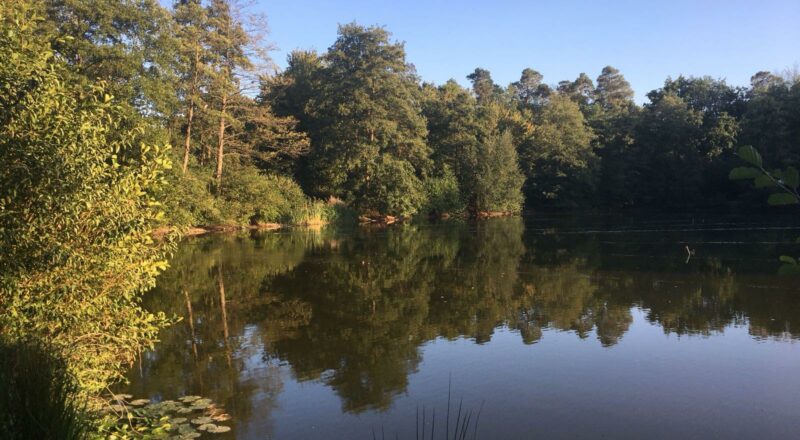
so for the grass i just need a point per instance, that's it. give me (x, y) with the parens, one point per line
(37, 395)
(465, 423)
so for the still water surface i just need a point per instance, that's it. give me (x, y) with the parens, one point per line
(549, 327)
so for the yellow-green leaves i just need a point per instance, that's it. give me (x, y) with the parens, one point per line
(76, 220)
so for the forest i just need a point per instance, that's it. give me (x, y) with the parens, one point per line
(120, 118)
(356, 127)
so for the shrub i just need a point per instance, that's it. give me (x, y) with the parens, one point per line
(248, 197)
(76, 211)
(393, 188)
(188, 200)
(443, 195)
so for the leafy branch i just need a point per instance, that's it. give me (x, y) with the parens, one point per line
(786, 181)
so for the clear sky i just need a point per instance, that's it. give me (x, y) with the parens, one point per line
(647, 40)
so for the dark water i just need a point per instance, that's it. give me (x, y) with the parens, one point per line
(550, 328)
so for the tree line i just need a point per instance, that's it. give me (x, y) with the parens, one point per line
(356, 122)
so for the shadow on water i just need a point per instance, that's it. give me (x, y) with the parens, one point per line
(271, 318)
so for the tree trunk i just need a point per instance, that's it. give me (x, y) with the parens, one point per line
(221, 137)
(187, 144)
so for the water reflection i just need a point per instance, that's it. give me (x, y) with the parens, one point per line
(353, 309)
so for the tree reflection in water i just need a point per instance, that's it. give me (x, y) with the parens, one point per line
(352, 308)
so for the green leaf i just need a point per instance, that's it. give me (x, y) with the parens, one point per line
(778, 199)
(742, 173)
(789, 269)
(787, 259)
(764, 181)
(750, 155)
(791, 178)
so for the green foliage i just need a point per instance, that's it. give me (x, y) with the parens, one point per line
(248, 196)
(391, 187)
(365, 120)
(129, 44)
(188, 200)
(443, 195)
(744, 173)
(750, 155)
(498, 178)
(558, 158)
(77, 210)
(184, 418)
(613, 91)
(37, 395)
(786, 181)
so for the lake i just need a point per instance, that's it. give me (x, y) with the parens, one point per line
(541, 327)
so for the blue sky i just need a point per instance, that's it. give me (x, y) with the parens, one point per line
(646, 40)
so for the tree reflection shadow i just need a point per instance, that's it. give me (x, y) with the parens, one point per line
(352, 308)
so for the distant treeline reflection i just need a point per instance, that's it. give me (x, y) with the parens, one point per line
(351, 308)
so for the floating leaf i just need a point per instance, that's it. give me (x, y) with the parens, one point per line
(222, 418)
(184, 411)
(742, 173)
(140, 402)
(778, 199)
(187, 399)
(185, 428)
(207, 426)
(787, 259)
(202, 420)
(751, 155)
(218, 429)
(178, 420)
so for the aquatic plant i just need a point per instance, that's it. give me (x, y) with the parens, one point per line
(188, 417)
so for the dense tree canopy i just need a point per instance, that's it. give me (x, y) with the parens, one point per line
(355, 123)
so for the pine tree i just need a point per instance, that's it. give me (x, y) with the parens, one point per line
(228, 43)
(192, 20)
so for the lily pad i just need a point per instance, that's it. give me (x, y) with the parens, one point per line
(202, 420)
(207, 426)
(140, 402)
(218, 429)
(184, 410)
(185, 429)
(122, 396)
(221, 417)
(187, 399)
(178, 420)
